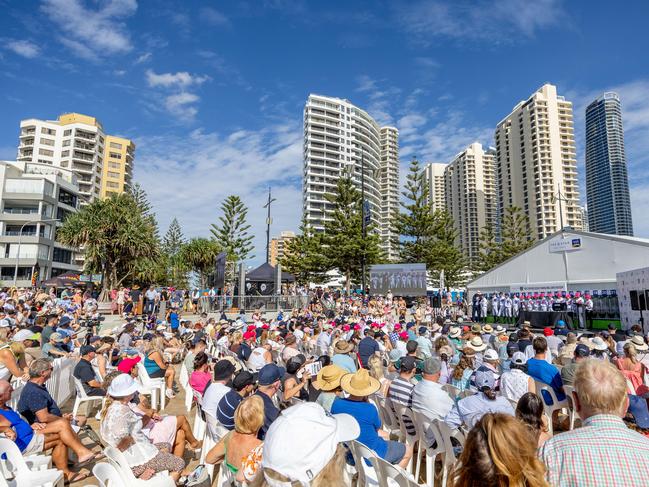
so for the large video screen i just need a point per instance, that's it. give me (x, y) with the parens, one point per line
(400, 279)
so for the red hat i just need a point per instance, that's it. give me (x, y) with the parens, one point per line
(536, 295)
(357, 326)
(547, 331)
(542, 295)
(587, 296)
(250, 335)
(265, 326)
(345, 327)
(382, 325)
(127, 364)
(251, 328)
(465, 328)
(577, 294)
(397, 326)
(557, 294)
(404, 335)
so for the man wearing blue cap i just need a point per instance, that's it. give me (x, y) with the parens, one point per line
(270, 376)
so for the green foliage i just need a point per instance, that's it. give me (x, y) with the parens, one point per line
(199, 255)
(303, 256)
(342, 241)
(416, 224)
(118, 238)
(514, 239)
(173, 239)
(232, 232)
(172, 242)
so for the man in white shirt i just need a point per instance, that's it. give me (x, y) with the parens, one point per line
(429, 398)
(324, 338)
(215, 390)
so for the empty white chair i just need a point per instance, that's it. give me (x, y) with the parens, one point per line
(184, 383)
(22, 475)
(367, 476)
(390, 475)
(83, 397)
(556, 404)
(443, 436)
(107, 475)
(151, 384)
(572, 413)
(118, 460)
(425, 430)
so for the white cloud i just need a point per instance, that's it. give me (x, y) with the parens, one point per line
(213, 16)
(143, 58)
(188, 176)
(381, 100)
(181, 79)
(92, 31)
(492, 20)
(23, 48)
(182, 105)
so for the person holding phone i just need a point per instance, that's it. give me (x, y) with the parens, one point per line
(297, 379)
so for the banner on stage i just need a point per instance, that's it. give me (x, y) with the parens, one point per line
(535, 288)
(401, 279)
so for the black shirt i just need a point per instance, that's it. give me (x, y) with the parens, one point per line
(366, 348)
(85, 373)
(270, 414)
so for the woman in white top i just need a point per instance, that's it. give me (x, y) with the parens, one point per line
(122, 428)
(259, 357)
(515, 382)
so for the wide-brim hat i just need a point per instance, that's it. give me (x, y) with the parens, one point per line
(500, 330)
(360, 383)
(455, 332)
(487, 329)
(328, 378)
(639, 343)
(477, 344)
(598, 343)
(343, 346)
(123, 385)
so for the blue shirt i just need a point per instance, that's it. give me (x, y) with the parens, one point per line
(24, 432)
(548, 374)
(35, 397)
(471, 409)
(174, 321)
(225, 410)
(366, 348)
(270, 414)
(344, 362)
(368, 419)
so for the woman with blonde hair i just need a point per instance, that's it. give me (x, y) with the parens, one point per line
(377, 371)
(632, 369)
(499, 451)
(12, 360)
(156, 366)
(240, 449)
(462, 372)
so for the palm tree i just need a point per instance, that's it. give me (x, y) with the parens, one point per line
(199, 255)
(117, 238)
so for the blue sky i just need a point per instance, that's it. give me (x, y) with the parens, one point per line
(212, 92)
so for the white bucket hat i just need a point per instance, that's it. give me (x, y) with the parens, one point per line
(638, 342)
(598, 343)
(309, 430)
(455, 332)
(123, 385)
(477, 344)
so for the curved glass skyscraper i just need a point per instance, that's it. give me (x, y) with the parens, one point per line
(607, 181)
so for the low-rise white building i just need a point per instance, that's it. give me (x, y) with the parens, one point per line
(33, 196)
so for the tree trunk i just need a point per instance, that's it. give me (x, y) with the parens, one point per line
(348, 281)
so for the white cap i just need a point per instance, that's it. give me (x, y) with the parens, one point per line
(22, 335)
(302, 441)
(490, 355)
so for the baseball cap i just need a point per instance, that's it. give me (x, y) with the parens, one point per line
(242, 379)
(484, 378)
(269, 374)
(23, 335)
(582, 350)
(64, 320)
(547, 331)
(56, 337)
(490, 355)
(223, 369)
(432, 365)
(519, 358)
(86, 349)
(309, 430)
(408, 363)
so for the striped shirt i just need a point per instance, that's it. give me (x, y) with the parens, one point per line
(226, 408)
(604, 452)
(400, 391)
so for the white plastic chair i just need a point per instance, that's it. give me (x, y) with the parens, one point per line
(402, 413)
(213, 434)
(430, 453)
(107, 475)
(22, 475)
(151, 385)
(199, 423)
(184, 383)
(118, 460)
(443, 435)
(572, 413)
(82, 397)
(367, 476)
(390, 475)
(389, 421)
(556, 405)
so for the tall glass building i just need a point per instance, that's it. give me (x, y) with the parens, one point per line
(607, 181)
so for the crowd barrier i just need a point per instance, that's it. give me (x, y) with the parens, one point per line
(60, 385)
(220, 304)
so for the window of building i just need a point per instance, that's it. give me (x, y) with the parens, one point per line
(49, 142)
(65, 163)
(115, 145)
(101, 140)
(67, 132)
(65, 153)
(67, 198)
(115, 155)
(62, 255)
(45, 130)
(114, 175)
(114, 165)
(111, 184)
(45, 152)
(111, 193)
(66, 143)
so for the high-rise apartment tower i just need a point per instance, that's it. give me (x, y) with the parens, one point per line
(434, 176)
(536, 159)
(607, 181)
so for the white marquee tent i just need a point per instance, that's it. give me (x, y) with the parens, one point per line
(568, 260)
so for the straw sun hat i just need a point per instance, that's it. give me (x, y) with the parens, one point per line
(328, 378)
(360, 383)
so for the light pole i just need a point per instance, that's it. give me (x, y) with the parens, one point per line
(20, 236)
(268, 222)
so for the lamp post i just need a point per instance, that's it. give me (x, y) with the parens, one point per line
(20, 236)
(268, 222)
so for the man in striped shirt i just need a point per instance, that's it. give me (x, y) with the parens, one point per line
(400, 390)
(243, 385)
(603, 452)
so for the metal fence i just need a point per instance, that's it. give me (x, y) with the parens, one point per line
(220, 304)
